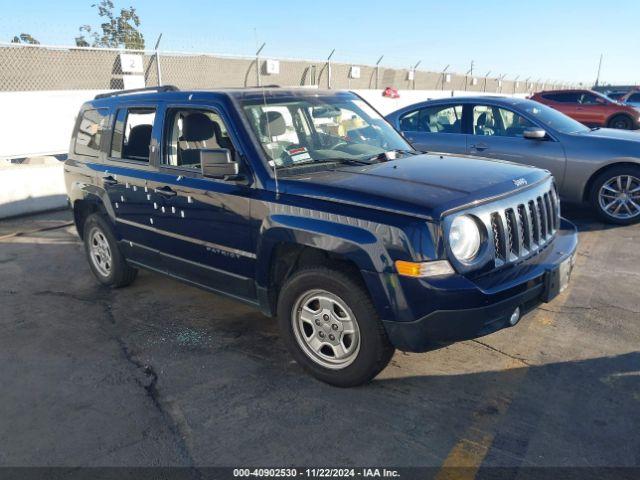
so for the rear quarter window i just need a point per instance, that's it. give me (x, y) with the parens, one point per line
(89, 135)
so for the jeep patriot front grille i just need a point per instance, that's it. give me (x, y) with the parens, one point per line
(525, 226)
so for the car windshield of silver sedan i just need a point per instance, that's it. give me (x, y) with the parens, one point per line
(322, 132)
(554, 119)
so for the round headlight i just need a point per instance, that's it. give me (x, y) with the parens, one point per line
(464, 238)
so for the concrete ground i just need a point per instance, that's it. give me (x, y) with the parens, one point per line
(164, 374)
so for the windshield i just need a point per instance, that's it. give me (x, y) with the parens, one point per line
(553, 118)
(317, 131)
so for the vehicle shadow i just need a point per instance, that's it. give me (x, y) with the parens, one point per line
(584, 219)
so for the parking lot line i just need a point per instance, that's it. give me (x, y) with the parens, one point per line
(474, 445)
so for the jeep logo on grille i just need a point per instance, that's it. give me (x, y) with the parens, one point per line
(520, 182)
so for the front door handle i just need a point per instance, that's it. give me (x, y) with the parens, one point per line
(109, 180)
(480, 147)
(165, 191)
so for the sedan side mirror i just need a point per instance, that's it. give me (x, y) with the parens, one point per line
(217, 163)
(534, 133)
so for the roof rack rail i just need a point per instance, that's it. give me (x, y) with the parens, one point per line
(160, 88)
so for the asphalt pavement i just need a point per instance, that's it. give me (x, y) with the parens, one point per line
(161, 373)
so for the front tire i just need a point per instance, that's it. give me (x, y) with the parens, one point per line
(331, 327)
(106, 262)
(615, 195)
(621, 122)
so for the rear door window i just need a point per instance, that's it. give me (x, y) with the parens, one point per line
(132, 134)
(90, 130)
(434, 119)
(564, 97)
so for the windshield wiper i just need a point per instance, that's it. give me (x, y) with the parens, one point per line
(326, 160)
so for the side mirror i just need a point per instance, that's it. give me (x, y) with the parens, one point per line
(534, 133)
(217, 163)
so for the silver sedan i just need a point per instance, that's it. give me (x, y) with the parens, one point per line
(599, 166)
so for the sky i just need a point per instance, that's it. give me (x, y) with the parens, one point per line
(558, 40)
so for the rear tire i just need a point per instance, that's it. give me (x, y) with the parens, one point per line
(615, 195)
(105, 259)
(341, 339)
(621, 122)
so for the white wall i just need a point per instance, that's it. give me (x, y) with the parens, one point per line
(28, 189)
(38, 123)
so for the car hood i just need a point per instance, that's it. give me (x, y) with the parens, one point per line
(612, 134)
(425, 185)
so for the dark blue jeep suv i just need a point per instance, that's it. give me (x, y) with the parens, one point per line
(311, 207)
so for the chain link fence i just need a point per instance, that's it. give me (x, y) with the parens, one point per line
(38, 67)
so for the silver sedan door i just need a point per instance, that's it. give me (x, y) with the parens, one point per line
(498, 133)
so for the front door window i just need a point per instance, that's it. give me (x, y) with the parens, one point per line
(495, 121)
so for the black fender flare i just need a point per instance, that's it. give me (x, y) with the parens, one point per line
(353, 243)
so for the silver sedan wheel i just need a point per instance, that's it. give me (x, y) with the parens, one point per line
(100, 252)
(326, 329)
(619, 197)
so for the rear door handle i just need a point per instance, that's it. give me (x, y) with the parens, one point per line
(165, 191)
(109, 180)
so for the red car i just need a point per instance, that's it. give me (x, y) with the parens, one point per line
(591, 108)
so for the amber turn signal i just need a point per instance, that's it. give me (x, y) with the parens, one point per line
(423, 269)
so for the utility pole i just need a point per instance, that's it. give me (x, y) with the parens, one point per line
(258, 63)
(515, 83)
(378, 69)
(329, 68)
(158, 71)
(599, 67)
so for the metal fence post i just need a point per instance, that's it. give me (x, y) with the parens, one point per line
(443, 76)
(258, 63)
(329, 68)
(501, 82)
(415, 67)
(158, 69)
(484, 87)
(466, 76)
(378, 69)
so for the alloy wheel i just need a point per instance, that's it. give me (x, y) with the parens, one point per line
(619, 197)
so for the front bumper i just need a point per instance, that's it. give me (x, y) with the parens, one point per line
(489, 304)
